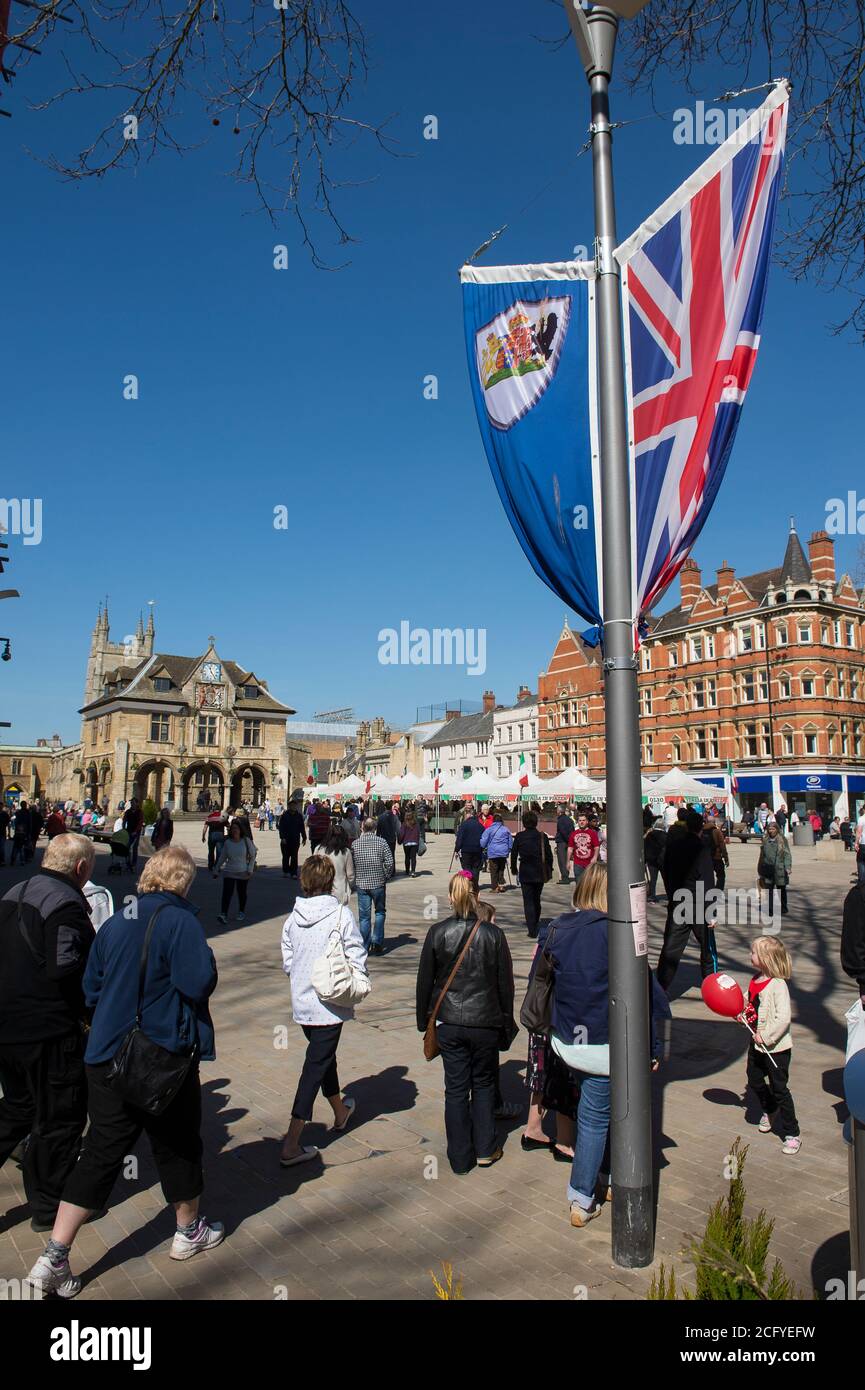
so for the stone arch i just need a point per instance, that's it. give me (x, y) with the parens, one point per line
(203, 778)
(249, 783)
(153, 779)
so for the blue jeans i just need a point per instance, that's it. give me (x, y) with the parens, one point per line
(365, 903)
(591, 1150)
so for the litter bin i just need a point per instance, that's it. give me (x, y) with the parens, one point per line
(803, 834)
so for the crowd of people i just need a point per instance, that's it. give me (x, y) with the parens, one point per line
(104, 1017)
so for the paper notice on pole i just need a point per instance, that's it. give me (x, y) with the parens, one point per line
(638, 918)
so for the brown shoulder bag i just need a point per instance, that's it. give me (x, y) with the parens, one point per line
(431, 1047)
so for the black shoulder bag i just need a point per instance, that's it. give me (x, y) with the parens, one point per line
(537, 1012)
(143, 1073)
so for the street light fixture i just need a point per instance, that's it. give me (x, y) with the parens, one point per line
(630, 1087)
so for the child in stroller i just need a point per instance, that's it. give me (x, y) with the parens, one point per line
(119, 847)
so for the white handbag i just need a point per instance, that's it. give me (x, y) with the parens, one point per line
(855, 1017)
(335, 979)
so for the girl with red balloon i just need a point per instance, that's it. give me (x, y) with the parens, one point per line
(767, 1016)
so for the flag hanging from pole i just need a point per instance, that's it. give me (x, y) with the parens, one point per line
(524, 772)
(693, 286)
(530, 343)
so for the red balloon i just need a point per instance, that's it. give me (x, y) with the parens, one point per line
(723, 995)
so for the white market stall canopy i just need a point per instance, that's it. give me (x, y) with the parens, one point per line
(688, 788)
(571, 783)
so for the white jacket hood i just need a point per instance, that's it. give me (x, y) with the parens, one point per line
(308, 912)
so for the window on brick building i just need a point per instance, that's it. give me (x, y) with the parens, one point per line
(747, 688)
(673, 656)
(828, 678)
(714, 752)
(648, 749)
(746, 639)
(749, 740)
(804, 632)
(712, 693)
(765, 740)
(159, 728)
(551, 761)
(701, 746)
(710, 646)
(16, 767)
(677, 750)
(830, 738)
(845, 739)
(574, 712)
(585, 755)
(837, 630)
(534, 762)
(584, 714)
(850, 630)
(696, 649)
(698, 694)
(857, 740)
(762, 685)
(646, 659)
(784, 686)
(810, 742)
(647, 702)
(760, 632)
(566, 755)
(854, 685)
(842, 683)
(781, 634)
(824, 634)
(787, 740)
(809, 685)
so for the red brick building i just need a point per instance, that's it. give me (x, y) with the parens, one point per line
(763, 673)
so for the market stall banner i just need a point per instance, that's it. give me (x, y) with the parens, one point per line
(531, 352)
(694, 286)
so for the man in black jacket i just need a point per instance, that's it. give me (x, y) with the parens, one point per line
(292, 833)
(689, 877)
(468, 845)
(45, 939)
(531, 850)
(853, 938)
(564, 830)
(387, 829)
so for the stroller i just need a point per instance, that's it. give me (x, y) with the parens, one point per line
(119, 847)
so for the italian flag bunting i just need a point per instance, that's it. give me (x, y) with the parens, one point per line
(524, 772)
(438, 777)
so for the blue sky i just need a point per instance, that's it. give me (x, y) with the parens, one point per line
(301, 388)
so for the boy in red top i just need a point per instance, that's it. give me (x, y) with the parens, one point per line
(584, 846)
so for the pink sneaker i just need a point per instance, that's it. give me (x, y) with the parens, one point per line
(792, 1145)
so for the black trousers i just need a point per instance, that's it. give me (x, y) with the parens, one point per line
(652, 878)
(115, 1128)
(290, 851)
(497, 872)
(45, 1097)
(472, 860)
(471, 1064)
(771, 1086)
(562, 857)
(676, 936)
(772, 891)
(720, 873)
(532, 905)
(410, 852)
(319, 1068)
(214, 845)
(228, 887)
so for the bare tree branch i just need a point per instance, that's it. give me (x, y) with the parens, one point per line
(284, 74)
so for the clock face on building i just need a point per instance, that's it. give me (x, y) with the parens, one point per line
(210, 696)
(210, 671)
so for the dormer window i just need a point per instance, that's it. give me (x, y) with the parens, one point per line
(251, 692)
(161, 683)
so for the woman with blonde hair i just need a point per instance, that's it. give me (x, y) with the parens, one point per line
(471, 1015)
(155, 969)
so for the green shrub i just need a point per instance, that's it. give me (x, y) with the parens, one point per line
(730, 1260)
(149, 811)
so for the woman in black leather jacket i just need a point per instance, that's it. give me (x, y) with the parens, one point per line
(475, 1016)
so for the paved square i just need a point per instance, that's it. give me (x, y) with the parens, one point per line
(383, 1209)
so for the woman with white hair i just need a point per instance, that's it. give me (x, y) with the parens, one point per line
(154, 969)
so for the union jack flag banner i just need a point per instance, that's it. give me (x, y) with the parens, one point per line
(694, 285)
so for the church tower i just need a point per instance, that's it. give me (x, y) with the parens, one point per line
(105, 656)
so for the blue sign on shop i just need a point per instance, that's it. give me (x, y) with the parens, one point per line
(855, 784)
(755, 784)
(811, 782)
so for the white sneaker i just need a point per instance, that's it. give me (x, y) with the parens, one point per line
(791, 1145)
(765, 1125)
(209, 1234)
(222, 918)
(241, 916)
(580, 1216)
(50, 1278)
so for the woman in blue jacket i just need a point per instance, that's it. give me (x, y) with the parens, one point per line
(179, 980)
(497, 841)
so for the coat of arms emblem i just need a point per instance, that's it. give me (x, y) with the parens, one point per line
(517, 354)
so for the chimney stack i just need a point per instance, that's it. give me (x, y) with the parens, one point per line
(489, 702)
(690, 582)
(725, 576)
(523, 691)
(821, 557)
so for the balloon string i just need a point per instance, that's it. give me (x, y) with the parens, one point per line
(760, 1045)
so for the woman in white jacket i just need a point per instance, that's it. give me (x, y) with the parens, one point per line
(305, 934)
(337, 849)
